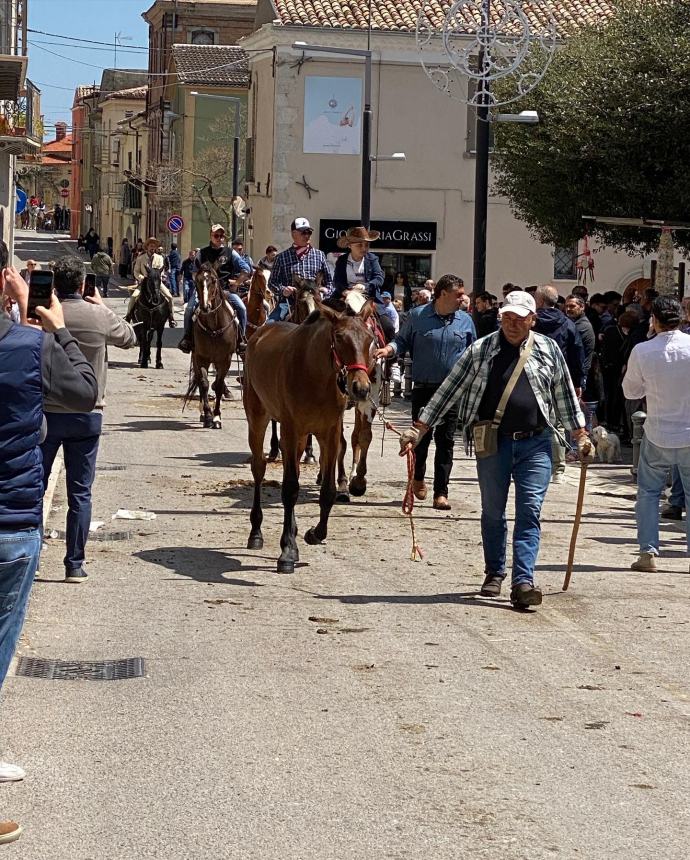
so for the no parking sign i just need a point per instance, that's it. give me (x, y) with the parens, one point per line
(175, 223)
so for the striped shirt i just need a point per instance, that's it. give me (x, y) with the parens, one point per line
(546, 372)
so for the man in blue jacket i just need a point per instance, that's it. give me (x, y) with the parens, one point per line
(553, 323)
(35, 364)
(435, 336)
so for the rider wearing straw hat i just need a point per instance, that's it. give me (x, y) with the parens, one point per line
(359, 270)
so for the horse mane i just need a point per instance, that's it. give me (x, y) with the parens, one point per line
(151, 287)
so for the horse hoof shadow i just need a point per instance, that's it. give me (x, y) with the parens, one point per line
(310, 537)
(358, 486)
(255, 542)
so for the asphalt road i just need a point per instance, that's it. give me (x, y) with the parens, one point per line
(367, 706)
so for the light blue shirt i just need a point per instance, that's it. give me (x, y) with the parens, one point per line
(434, 342)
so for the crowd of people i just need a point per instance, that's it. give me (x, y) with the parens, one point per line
(526, 379)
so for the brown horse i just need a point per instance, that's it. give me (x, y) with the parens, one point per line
(215, 341)
(302, 377)
(259, 299)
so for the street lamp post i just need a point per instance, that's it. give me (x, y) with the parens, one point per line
(235, 148)
(367, 116)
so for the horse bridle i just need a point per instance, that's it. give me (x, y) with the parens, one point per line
(215, 332)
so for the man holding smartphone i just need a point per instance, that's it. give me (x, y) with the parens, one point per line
(95, 327)
(36, 365)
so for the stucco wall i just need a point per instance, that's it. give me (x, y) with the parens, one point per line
(435, 183)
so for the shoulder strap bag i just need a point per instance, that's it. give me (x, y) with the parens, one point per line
(485, 433)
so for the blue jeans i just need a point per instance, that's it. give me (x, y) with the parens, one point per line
(589, 409)
(677, 496)
(188, 289)
(236, 302)
(652, 473)
(528, 463)
(280, 312)
(19, 553)
(174, 288)
(79, 434)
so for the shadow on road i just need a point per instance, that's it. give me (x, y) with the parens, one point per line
(465, 598)
(206, 565)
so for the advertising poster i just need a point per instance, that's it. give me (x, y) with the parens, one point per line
(332, 115)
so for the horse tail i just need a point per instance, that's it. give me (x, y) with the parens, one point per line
(193, 385)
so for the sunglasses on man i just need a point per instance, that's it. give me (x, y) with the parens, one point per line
(220, 235)
(305, 232)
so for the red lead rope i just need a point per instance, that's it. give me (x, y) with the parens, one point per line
(408, 498)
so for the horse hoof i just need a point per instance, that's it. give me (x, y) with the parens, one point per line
(285, 566)
(319, 479)
(255, 542)
(271, 457)
(208, 424)
(358, 486)
(310, 537)
(159, 365)
(342, 498)
(309, 460)
(216, 424)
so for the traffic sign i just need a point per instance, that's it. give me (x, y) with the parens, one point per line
(21, 201)
(64, 193)
(175, 224)
(64, 183)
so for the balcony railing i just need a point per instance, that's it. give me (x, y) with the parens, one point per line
(21, 129)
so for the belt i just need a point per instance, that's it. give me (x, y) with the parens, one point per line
(524, 434)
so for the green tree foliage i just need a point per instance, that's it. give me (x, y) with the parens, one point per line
(614, 132)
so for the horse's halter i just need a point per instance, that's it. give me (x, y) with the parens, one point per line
(343, 368)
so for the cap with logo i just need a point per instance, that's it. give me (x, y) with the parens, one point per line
(218, 228)
(300, 224)
(386, 295)
(520, 303)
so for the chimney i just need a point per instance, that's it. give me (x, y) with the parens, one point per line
(60, 130)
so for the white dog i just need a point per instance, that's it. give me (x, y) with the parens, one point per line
(608, 445)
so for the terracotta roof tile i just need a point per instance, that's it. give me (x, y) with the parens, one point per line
(130, 93)
(401, 15)
(220, 65)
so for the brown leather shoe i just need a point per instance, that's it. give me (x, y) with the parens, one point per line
(419, 490)
(10, 831)
(441, 503)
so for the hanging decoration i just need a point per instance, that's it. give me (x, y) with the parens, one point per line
(665, 282)
(585, 263)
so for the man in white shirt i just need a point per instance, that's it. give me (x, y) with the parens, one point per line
(659, 369)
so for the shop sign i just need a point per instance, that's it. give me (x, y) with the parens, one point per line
(395, 235)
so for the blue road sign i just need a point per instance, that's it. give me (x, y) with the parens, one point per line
(21, 201)
(175, 223)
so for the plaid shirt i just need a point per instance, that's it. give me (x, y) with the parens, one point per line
(546, 371)
(287, 263)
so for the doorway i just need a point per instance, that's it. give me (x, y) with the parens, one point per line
(414, 268)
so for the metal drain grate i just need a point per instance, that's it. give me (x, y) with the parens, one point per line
(80, 670)
(110, 467)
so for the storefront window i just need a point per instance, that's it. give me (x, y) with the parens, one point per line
(404, 272)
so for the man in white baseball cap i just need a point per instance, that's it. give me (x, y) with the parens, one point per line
(301, 259)
(512, 387)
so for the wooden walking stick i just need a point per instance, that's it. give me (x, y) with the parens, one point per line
(578, 514)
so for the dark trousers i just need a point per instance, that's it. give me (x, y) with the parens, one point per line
(79, 434)
(444, 437)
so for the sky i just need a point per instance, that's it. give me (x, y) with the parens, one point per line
(79, 63)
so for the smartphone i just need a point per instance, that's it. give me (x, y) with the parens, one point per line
(40, 291)
(89, 285)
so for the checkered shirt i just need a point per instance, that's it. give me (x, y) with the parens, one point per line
(287, 263)
(546, 372)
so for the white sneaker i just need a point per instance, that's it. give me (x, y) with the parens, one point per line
(558, 478)
(646, 562)
(10, 772)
